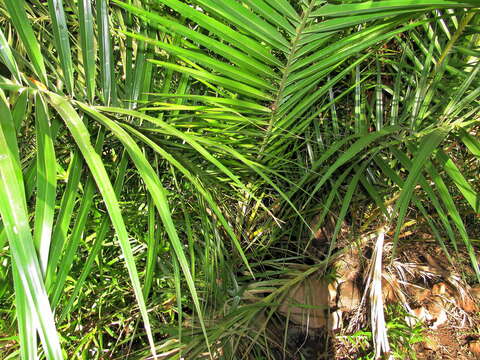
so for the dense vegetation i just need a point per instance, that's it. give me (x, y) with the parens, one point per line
(164, 163)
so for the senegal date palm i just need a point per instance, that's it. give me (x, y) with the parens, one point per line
(210, 117)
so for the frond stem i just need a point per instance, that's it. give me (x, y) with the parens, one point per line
(286, 73)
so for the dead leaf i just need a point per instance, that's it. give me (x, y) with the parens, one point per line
(474, 347)
(349, 296)
(431, 343)
(306, 304)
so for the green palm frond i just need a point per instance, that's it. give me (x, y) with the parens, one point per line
(222, 108)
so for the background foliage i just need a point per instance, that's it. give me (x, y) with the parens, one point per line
(194, 142)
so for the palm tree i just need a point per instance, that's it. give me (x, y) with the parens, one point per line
(241, 120)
